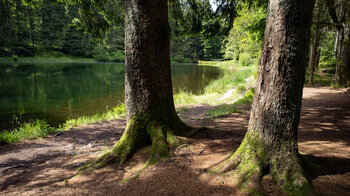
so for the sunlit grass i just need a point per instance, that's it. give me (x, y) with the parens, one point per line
(117, 112)
(319, 80)
(224, 109)
(31, 130)
(233, 75)
(40, 128)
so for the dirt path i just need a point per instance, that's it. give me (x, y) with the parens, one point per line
(46, 166)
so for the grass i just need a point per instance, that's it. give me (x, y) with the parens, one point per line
(319, 80)
(233, 75)
(47, 57)
(40, 128)
(117, 112)
(31, 130)
(224, 109)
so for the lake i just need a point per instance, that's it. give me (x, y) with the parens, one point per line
(55, 92)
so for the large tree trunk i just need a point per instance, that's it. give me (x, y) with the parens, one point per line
(270, 144)
(151, 115)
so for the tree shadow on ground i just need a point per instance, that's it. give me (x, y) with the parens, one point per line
(323, 123)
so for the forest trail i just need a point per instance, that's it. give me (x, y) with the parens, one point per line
(46, 166)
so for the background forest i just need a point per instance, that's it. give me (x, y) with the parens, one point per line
(190, 112)
(55, 29)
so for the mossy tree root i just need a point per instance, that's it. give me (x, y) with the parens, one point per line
(252, 161)
(140, 132)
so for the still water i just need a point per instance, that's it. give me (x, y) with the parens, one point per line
(55, 92)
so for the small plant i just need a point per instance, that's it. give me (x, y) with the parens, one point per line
(117, 112)
(31, 130)
(222, 110)
(245, 59)
(241, 89)
(14, 57)
(40, 128)
(248, 97)
(231, 108)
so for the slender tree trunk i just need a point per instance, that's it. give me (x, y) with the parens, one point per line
(343, 67)
(317, 62)
(31, 26)
(339, 77)
(271, 140)
(315, 45)
(151, 115)
(340, 39)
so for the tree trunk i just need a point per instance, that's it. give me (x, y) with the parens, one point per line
(151, 115)
(270, 144)
(31, 26)
(340, 78)
(315, 45)
(343, 67)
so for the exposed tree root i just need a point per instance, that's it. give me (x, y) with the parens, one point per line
(141, 131)
(252, 161)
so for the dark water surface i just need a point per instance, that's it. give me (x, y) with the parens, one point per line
(55, 92)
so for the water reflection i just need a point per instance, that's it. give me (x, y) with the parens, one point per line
(55, 92)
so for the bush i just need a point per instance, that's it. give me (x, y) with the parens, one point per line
(23, 50)
(117, 56)
(245, 59)
(102, 54)
(241, 89)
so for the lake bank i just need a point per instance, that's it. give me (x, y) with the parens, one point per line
(55, 92)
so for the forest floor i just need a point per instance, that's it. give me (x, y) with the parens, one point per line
(48, 166)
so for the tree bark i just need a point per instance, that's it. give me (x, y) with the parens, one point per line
(343, 67)
(270, 144)
(340, 39)
(151, 115)
(315, 45)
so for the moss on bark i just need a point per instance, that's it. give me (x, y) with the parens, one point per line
(141, 130)
(255, 158)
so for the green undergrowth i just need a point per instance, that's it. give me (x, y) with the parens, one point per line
(224, 109)
(117, 112)
(46, 58)
(318, 80)
(32, 130)
(234, 74)
(40, 128)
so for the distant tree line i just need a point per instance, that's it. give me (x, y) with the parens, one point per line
(54, 28)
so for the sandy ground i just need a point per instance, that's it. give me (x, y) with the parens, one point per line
(48, 166)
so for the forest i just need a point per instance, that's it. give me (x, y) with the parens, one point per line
(53, 28)
(176, 97)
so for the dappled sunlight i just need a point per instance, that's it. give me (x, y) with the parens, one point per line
(325, 121)
(37, 164)
(325, 148)
(46, 166)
